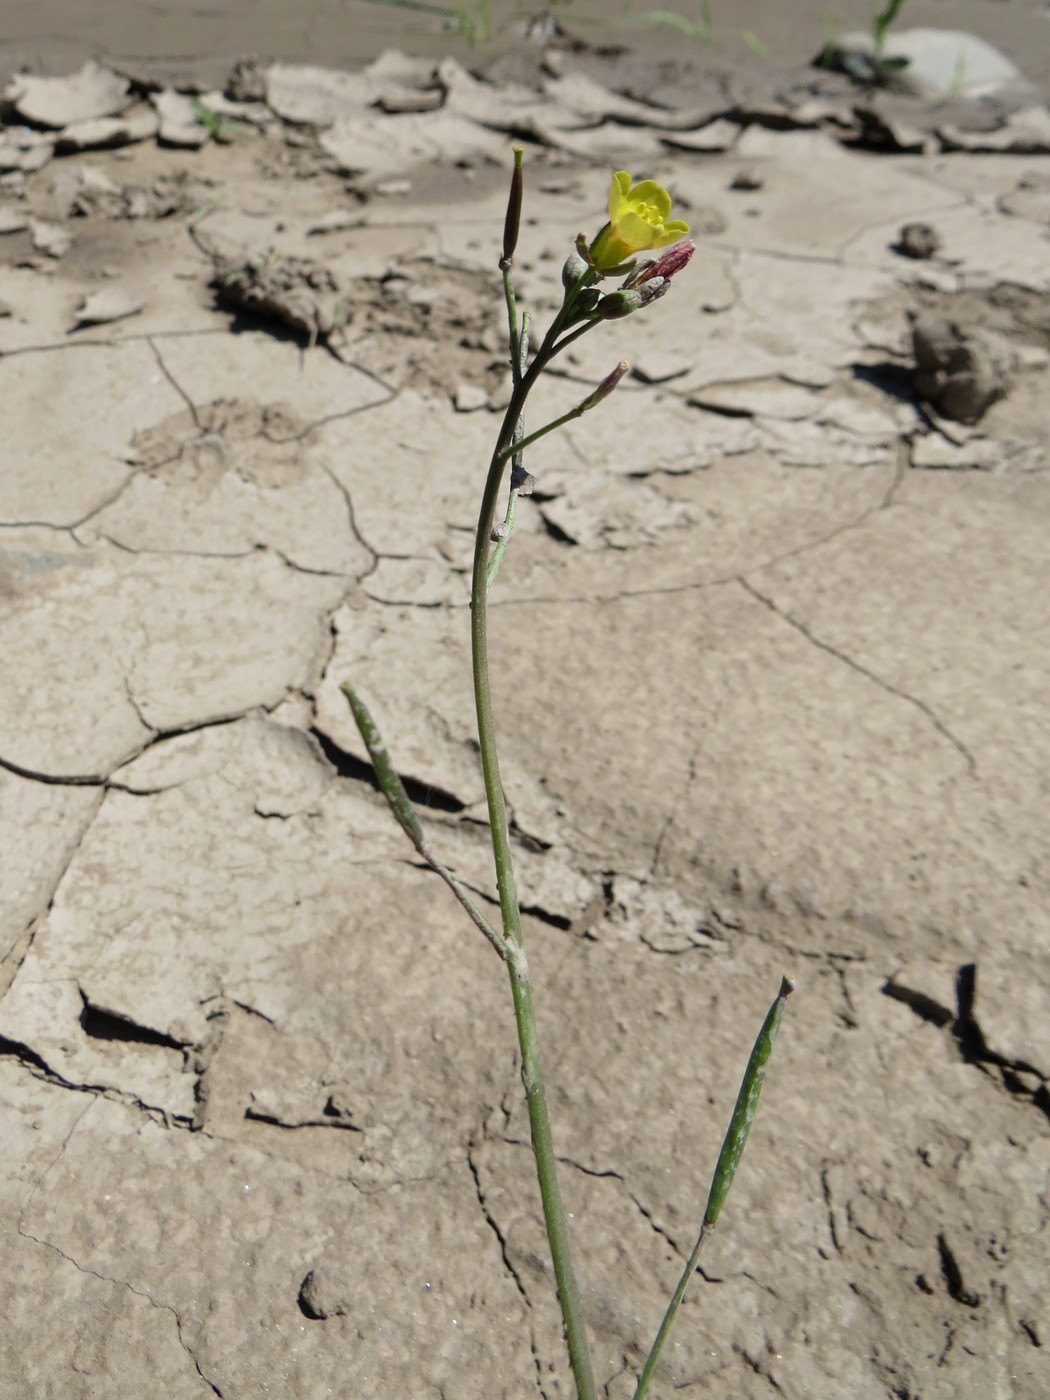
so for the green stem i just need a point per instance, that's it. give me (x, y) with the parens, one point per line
(604, 389)
(505, 531)
(512, 323)
(517, 965)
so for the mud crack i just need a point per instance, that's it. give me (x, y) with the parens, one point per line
(862, 670)
(137, 1292)
(501, 1240)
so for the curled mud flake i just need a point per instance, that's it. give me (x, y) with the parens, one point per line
(296, 292)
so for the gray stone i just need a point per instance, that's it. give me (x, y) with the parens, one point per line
(43, 825)
(142, 644)
(55, 474)
(12, 220)
(1023, 133)
(717, 135)
(258, 1223)
(774, 398)
(314, 96)
(1010, 1009)
(468, 398)
(1029, 199)
(384, 146)
(234, 478)
(50, 239)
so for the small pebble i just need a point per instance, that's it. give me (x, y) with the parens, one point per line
(746, 180)
(918, 241)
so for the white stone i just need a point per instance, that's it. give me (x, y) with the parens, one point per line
(941, 62)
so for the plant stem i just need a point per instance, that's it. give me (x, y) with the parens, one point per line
(518, 446)
(505, 531)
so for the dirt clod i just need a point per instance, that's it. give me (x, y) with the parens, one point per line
(961, 372)
(297, 292)
(918, 241)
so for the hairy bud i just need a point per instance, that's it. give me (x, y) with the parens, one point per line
(606, 387)
(574, 268)
(619, 303)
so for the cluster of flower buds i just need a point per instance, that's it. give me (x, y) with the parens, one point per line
(645, 283)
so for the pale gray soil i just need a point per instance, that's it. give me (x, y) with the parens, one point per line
(190, 40)
(771, 650)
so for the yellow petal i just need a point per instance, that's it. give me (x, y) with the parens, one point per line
(621, 183)
(650, 193)
(670, 232)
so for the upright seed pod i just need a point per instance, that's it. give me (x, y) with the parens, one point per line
(512, 223)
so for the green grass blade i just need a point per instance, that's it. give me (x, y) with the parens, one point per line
(882, 22)
(755, 44)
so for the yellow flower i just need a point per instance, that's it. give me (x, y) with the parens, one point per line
(637, 221)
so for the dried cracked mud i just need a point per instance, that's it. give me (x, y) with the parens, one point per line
(771, 670)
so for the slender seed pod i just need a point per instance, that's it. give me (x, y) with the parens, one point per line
(512, 223)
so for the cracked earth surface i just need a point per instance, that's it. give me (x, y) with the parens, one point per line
(773, 697)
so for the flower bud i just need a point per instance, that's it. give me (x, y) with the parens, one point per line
(619, 303)
(574, 268)
(638, 273)
(606, 387)
(667, 264)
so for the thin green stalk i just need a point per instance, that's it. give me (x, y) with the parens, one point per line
(520, 338)
(503, 533)
(604, 389)
(725, 1169)
(517, 964)
(512, 321)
